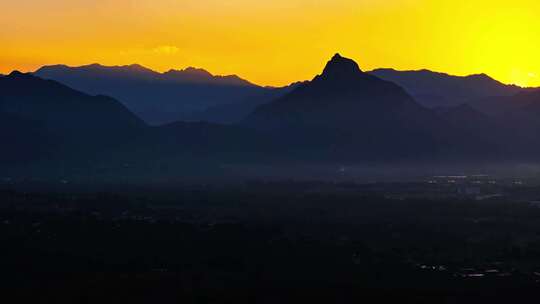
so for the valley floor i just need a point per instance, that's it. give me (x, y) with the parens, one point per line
(269, 243)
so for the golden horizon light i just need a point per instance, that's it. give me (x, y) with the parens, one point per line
(276, 42)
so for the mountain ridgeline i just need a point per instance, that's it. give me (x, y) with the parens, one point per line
(342, 116)
(433, 89)
(42, 119)
(160, 98)
(47, 128)
(347, 114)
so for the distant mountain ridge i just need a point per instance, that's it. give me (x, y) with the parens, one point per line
(158, 98)
(342, 116)
(187, 75)
(433, 89)
(47, 128)
(193, 94)
(197, 75)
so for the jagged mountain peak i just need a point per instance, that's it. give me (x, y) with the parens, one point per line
(190, 71)
(341, 67)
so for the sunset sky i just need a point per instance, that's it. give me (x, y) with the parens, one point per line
(276, 42)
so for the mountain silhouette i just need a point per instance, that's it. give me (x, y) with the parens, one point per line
(158, 98)
(354, 113)
(341, 96)
(43, 118)
(343, 115)
(47, 128)
(433, 89)
(60, 108)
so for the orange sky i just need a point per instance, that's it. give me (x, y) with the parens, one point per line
(279, 41)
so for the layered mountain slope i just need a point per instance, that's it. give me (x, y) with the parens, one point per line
(158, 98)
(352, 113)
(62, 109)
(44, 118)
(433, 89)
(47, 129)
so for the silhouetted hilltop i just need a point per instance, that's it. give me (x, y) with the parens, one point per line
(44, 117)
(434, 89)
(60, 107)
(341, 96)
(342, 86)
(341, 69)
(356, 114)
(158, 98)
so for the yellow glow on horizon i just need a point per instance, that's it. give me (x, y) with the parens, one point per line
(276, 42)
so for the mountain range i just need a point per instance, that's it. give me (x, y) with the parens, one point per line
(45, 118)
(343, 115)
(159, 98)
(433, 89)
(48, 128)
(194, 94)
(354, 115)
